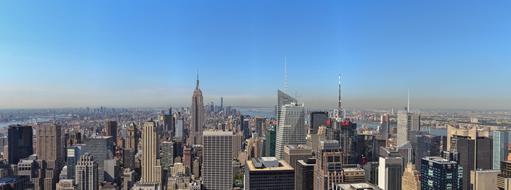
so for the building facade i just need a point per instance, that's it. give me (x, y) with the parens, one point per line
(217, 172)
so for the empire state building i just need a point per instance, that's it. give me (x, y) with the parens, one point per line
(198, 115)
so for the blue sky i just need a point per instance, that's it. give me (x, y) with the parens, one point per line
(450, 54)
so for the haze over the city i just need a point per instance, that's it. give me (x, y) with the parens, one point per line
(449, 54)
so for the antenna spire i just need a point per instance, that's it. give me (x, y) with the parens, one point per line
(197, 82)
(285, 73)
(408, 105)
(339, 105)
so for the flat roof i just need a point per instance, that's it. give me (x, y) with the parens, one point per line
(216, 133)
(283, 166)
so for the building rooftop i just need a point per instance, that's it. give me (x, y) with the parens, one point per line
(216, 133)
(358, 186)
(267, 164)
(439, 160)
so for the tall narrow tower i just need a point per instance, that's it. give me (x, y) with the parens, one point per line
(340, 112)
(151, 169)
(198, 115)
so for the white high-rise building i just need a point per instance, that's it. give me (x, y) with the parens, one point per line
(217, 173)
(390, 173)
(291, 130)
(406, 123)
(87, 173)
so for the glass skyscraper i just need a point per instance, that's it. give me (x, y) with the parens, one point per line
(500, 147)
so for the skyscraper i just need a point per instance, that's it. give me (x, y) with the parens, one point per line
(283, 99)
(317, 119)
(111, 129)
(390, 171)
(407, 123)
(151, 169)
(198, 116)
(50, 151)
(304, 174)
(217, 173)
(73, 155)
(293, 153)
(87, 173)
(439, 173)
(167, 151)
(270, 141)
(19, 140)
(385, 126)
(328, 168)
(102, 148)
(132, 137)
(427, 145)
(268, 173)
(291, 130)
(465, 146)
(500, 147)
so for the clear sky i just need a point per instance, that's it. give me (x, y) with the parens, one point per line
(450, 54)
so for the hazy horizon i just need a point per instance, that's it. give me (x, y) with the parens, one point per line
(450, 55)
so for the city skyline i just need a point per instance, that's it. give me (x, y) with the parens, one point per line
(77, 54)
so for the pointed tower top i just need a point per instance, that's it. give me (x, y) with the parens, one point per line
(197, 83)
(408, 104)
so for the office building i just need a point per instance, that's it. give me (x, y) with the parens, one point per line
(465, 146)
(270, 141)
(328, 168)
(504, 177)
(151, 169)
(440, 173)
(268, 173)
(167, 157)
(259, 125)
(50, 152)
(179, 129)
(385, 126)
(390, 172)
(20, 143)
(291, 130)
(132, 137)
(427, 145)
(304, 174)
(347, 131)
(500, 147)
(73, 154)
(217, 172)
(484, 179)
(317, 119)
(101, 148)
(111, 129)
(293, 153)
(407, 124)
(283, 99)
(353, 175)
(198, 116)
(87, 177)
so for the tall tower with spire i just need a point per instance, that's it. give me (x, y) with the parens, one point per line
(198, 115)
(340, 111)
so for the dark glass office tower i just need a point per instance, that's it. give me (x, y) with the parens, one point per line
(19, 143)
(440, 173)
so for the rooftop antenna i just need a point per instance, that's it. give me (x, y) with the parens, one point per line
(408, 105)
(285, 73)
(197, 84)
(339, 105)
